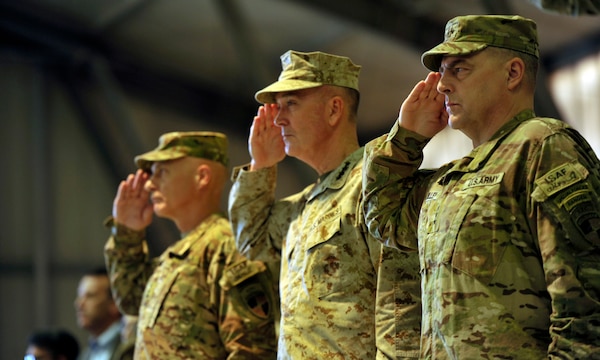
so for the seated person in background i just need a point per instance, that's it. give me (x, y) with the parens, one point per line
(52, 345)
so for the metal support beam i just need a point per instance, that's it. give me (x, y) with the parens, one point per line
(388, 17)
(246, 45)
(41, 196)
(77, 48)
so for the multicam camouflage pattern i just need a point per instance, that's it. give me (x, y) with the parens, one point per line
(199, 300)
(328, 277)
(175, 145)
(468, 34)
(309, 70)
(569, 7)
(508, 240)
(398, 306)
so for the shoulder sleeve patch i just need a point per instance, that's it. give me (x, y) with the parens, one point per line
(240, 271)
(561, 178)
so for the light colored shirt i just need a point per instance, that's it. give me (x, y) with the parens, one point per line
(102, 347)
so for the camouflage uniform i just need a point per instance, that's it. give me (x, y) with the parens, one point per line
(398, 305)
(508, 239)
(328, 274)
(343, 295)
(200, 299)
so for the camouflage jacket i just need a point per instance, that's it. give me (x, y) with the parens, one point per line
(200, 299)
(508, 239)
(329, 264)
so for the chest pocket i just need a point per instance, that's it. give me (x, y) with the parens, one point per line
(157, 294)
(470, 233)
(325, 256)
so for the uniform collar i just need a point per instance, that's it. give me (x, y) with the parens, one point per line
(337, 178)
(479, 156)
(181, 249)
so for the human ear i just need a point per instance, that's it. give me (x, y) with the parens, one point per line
(515, 72)
(203, 175)
(336, 107)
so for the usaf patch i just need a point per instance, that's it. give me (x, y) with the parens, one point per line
(561, 178)
(239, 272)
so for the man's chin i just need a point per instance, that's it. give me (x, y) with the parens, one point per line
(160, 211)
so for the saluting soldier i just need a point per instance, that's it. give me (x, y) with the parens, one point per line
(509, 235)
(200, 299)
(342, 296)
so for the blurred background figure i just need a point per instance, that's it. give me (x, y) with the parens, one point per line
(51, 345)
(569, 7)
(99, 316)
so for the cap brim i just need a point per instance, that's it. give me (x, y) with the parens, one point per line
(145, 160)
(432, 59)
(267, 95)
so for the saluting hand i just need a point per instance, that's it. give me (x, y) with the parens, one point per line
(265, 143)
(131, 207)
(423, 110)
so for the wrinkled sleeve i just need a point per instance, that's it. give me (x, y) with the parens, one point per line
(565, 205)
(393, 187)
(258, 221)
(245, 298)
(128, 265)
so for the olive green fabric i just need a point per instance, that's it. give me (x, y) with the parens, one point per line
(508, 239)
(200, 299)
(175, 145)
(468, 34)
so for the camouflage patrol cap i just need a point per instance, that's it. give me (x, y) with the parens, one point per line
(175, 145)
(468, 34)
(309, 70)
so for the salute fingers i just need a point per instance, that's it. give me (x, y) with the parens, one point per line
(270, 114)
(429, 90)
(133, 186)
(423, 110)
(125, 187)
(139, 180)
(260, 124)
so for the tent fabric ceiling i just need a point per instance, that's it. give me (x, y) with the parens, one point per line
(231, 48)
